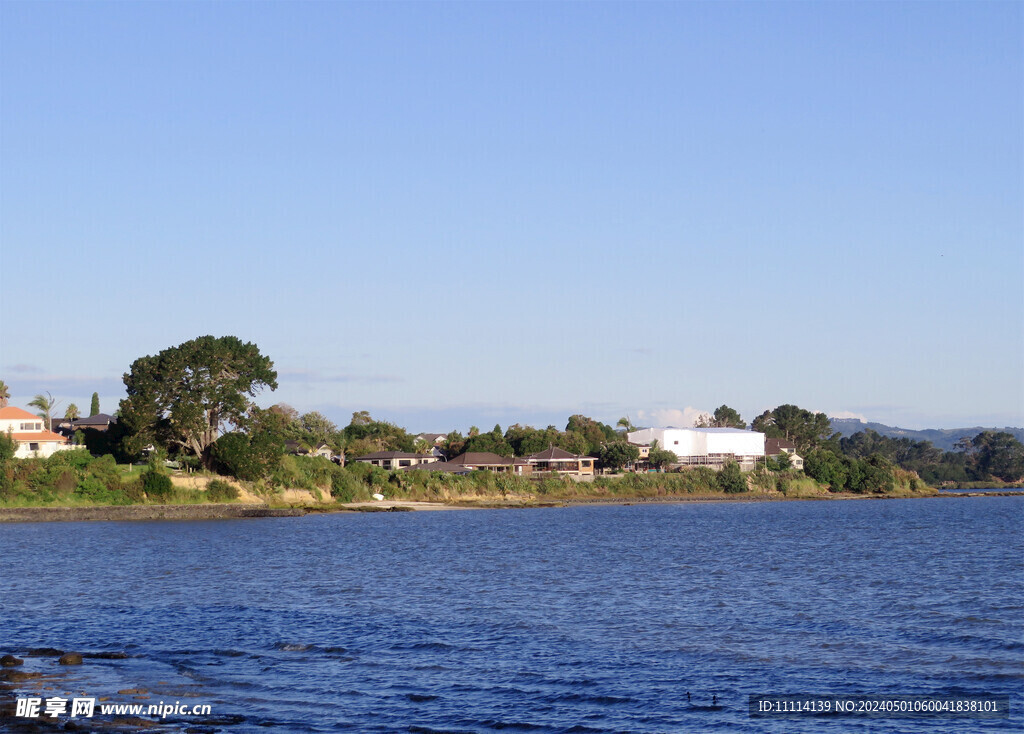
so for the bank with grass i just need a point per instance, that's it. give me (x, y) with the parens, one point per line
(78, 483)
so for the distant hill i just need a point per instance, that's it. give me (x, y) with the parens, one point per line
(941, 438)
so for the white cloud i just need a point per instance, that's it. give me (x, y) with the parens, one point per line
(847, 414)
(669, 417)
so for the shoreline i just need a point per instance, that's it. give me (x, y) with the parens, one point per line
(129, 513)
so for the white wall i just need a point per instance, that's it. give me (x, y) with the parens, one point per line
(703, 441)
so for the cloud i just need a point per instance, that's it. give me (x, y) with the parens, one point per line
(24, 369)
(312, 376)
(662, 417)
(846, 414)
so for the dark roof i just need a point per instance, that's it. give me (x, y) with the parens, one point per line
(553, 453)
(444, 466)
(431, 437)
(481, 458)
(773, 446)
(100, 419)
(391, 455)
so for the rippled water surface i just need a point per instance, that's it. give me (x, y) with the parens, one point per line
(584, 619)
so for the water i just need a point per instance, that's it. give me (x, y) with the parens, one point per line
(584, 619)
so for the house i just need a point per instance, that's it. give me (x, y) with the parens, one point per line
(30, 433)
(68, 426)
(491, 462)
(434, 441)
(776, 446)
(396, 459)
(557, 460)
(705, 446)
(98, 422)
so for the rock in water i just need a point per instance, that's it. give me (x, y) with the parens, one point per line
(8, 661)
(71, 658)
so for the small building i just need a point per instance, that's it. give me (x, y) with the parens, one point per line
(775, 446)
(30, 433)
(396, 459)
(557, 460)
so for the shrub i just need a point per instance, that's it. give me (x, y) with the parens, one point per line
(156, 485)
(247, 457)
(730, 478)
(346, 486)
(220, 491)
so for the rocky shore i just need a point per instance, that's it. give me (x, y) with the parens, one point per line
(143, 512)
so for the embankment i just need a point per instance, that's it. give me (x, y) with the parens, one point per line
(143, 512)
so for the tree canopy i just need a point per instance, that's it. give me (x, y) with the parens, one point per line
(804, 428)
(184, 396)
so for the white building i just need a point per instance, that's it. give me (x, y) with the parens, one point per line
(710, 446)
(30, 433)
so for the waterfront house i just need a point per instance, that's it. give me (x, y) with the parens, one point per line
(775, 446)
(396, 459)
(490, 462)
(30, 433)
(559, 461)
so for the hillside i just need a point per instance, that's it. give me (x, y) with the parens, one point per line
(942, 438)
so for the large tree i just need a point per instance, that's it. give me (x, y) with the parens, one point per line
(806, 429)
(998, 454)
(5, 394)
(94, 406)
(184, 396)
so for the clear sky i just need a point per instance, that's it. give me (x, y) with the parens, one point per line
(468, 213)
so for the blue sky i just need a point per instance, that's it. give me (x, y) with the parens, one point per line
(468, 213)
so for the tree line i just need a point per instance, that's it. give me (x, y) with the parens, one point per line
(195, 402)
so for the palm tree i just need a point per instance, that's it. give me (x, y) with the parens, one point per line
(46, 405)
(72, 413)
(5, 394)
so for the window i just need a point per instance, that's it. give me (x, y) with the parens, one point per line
(404, 462)
(33, 447)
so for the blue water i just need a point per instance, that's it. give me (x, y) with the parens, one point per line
(583, 619)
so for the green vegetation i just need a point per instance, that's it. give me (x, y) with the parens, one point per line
(94, 406)
(808, 430)
(181, 398)
(992, 458)
(724, 417)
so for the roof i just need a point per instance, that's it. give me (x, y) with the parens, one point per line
(481, 458)
(37, 436)
(431, 437)
(777, 445)
(11, 413)
(391, 455)
(553, 453)
(100, 419)
(444, 466)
